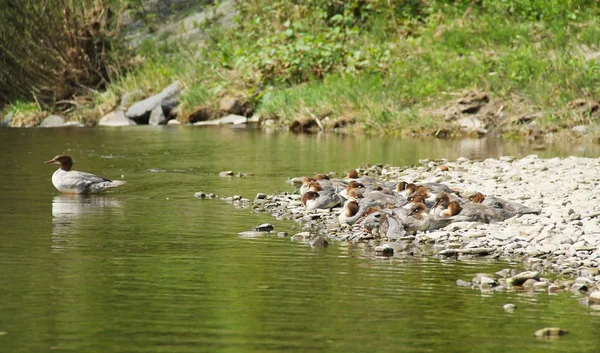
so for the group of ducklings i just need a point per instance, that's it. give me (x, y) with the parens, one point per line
(401, 206)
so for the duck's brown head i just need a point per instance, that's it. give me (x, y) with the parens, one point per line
(411, 188)
(351, 208)
(353, 174)
(417, 209)
(477, 197)
(354, 185)
(423, 190)
(309, 195)
(321, 176)
(314, 186)
(442, 199)
(454, 208)
(401, 186)
(65, 161)
(355, 193)
(414, 198)
(308, 180)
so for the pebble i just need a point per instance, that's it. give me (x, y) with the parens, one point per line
(509, 307)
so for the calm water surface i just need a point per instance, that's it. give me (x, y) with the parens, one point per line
(151, 269)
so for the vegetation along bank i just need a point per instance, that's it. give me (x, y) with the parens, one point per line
(436, 68)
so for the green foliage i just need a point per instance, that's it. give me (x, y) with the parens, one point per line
(303, 41)
(22, 107)
(380, 61)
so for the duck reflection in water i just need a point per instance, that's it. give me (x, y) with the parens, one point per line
(69, 211)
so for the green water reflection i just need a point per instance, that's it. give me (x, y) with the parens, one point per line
(151, 269)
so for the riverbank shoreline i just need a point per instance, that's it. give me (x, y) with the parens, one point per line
(558, 247)
(474, 114)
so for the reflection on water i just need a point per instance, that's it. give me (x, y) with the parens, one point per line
(69, 209)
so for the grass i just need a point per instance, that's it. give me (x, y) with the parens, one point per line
(391, 69)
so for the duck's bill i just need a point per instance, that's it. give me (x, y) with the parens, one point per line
(52, 161)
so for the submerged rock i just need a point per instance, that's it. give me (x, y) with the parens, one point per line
(116, 118)
(550, 332)
(319, 242)
(265, 227)
(252, 234)
(53, 121)
(384, 250)
(509, 307)
(229, 119)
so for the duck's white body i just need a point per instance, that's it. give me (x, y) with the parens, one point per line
(326, 199)
(75, 182)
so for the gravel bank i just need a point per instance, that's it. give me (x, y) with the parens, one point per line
(562, 241)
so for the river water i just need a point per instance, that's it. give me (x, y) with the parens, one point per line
(149, 268)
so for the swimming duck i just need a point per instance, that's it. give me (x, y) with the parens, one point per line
(75, 182)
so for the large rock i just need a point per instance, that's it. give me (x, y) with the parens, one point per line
(7, 120)
(116, 118)
(229, 119)
(595, 297)
(157, 117)
(471, 124)
(167, 99)
(231, 106)
(520, 278)
(53, 121)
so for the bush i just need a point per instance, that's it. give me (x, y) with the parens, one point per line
(54, 49)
